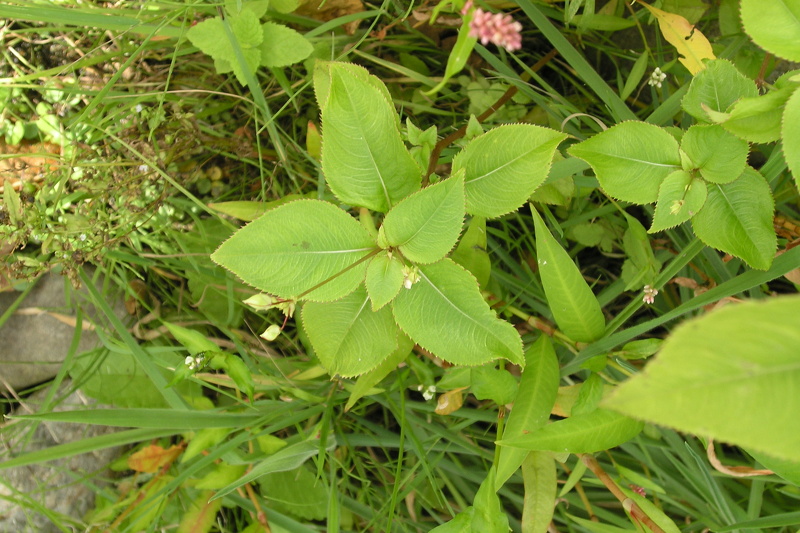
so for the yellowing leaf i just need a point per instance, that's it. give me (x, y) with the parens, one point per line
(151, 458)
(450, 401)
(692, 45)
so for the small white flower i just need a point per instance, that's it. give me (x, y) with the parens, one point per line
(429, 393)
(82, 237)
(649, 295)
(656, 78)
(143, 168)
(189, 361)
(138, 108)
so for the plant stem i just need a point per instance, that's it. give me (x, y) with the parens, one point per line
(629, 505)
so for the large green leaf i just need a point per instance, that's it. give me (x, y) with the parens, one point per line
(283, 46)
(445, 313)
(790, 132)
(348, 337)
(631, 160)
(425, 226)
(574, 306)
(731, 375)
(737, 219)
(541, 483)
(538, 388)
(211, 37)
(716, 88)
(774, 26)
(363, 156)
(757, 119)
(504, 166)
(294, 247)
(322, 80)
(679, 199)
(719, 155)
(589, 433)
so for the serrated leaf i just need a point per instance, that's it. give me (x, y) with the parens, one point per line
(692, 46)
(425, 226)
(574, 306)
(790, 132)
(322, 80)
(384, 279)
(718, 87)
(541, 483)
(538, 388)
(737, 219)
(211, 37)
(471, 251)
(774, 26)
(730, 375)
(630, 160)
(589, 433)
(348, 337)
(445, 313)
(294, 247)
(504, 166)
(719, 155)
(363, 156)
(679, 199)
(283, 46)
(387, 366)
(757, 119)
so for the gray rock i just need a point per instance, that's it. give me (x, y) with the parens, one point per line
(33, 497)
(33, 342)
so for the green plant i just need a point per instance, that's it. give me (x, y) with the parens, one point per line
(239, 41)
(362, 286)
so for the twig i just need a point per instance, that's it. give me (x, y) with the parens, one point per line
(627, 503)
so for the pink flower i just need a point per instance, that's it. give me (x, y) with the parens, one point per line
(496, 28)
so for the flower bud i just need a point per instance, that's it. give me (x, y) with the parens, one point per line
(261, 302)
(271, 333)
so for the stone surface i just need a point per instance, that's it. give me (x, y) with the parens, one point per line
(65, 488)
(33, 342)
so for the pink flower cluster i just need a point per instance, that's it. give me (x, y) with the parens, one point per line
(496, 28)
